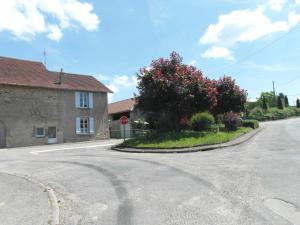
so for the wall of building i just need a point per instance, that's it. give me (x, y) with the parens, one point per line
(68, 113)
(23, 109)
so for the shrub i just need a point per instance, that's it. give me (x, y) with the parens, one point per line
(139, 124)
(231, 121)
(257, 114)
(201, 121)
(250, 123)
(278, 113)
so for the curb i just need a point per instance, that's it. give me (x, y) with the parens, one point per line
(54, 220)
(239, 140)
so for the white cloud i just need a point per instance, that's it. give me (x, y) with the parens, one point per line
(25, 19)
(193, 62)
(102, 77)
(276, 5)
(245, 26)
(54, 33)
(218, 52)
(117, 83)
(124, 81)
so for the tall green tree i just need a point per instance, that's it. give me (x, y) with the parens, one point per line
(286, 101)
(298, 103)
(280, 104)
(264, 104)
(269, 97)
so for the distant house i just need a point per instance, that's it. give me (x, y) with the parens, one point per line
(118, 109)
(38, 106)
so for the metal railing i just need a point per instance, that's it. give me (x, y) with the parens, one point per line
(129, 133)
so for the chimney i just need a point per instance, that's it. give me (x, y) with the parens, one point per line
(60, 76)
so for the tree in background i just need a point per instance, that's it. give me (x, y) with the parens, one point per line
(170, 91)
(298, 103)
(269, 97)
(286, 101)
(230, 97)
(280, 100)
(264, 104)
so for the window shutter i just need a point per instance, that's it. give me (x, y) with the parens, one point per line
(91, 100)
(78, 125)
(91, 123)
(77, 99)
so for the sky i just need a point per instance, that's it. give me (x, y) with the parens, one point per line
(254, 41)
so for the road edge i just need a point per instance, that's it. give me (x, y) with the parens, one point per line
(54, 220)
(240, 140)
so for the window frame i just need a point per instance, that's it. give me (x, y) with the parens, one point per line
(84, 100)
(40, 135)
(84, 130)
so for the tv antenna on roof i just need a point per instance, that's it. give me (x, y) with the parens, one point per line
(45, 57)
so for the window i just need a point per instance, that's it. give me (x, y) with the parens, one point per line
(84, 125)
(40, 132)
(84, 99)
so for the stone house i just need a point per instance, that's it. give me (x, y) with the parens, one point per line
(38, 106)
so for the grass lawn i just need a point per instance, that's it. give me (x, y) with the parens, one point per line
(184, 139)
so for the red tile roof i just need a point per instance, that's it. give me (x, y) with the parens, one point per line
(34, 74)
(121, 106)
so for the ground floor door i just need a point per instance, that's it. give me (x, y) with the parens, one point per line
(52, 139)
(2, 135)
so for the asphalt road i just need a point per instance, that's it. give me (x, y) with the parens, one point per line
(257, 182)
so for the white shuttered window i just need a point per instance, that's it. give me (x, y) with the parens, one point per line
(84, 100)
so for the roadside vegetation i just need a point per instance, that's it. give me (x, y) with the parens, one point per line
(271, 107)
(184, 139)
(184, 108)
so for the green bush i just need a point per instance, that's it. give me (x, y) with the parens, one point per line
(257, 114)
(250, 123)
(278, 113)
(201, 121)
(273, 113)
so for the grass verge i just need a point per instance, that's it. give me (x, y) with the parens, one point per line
(184, 139)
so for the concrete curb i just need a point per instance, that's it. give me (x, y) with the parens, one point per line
(54, 220)
(240, 140)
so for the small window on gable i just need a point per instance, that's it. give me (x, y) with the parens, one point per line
(39, 132)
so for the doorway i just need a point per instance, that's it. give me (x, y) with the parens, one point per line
(52, 135)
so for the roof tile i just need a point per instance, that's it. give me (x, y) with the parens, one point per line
(34, 74)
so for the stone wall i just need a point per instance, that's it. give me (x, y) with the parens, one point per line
(22, 109)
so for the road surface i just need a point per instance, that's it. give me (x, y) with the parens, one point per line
(257, 182)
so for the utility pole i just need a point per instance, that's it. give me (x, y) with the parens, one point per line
(274, 88)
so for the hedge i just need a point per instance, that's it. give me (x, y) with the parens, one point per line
(250, 123)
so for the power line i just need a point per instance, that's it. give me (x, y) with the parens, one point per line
(259, 50)
(292, 80)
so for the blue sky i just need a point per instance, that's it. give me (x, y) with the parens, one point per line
(254, 41)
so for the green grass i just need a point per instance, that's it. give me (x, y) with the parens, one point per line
(184, 139)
